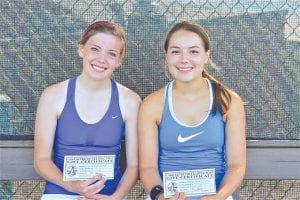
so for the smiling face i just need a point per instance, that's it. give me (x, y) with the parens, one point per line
(101, 55)
(186, 55)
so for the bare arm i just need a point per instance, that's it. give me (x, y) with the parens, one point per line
(235, 149)
(129, 103)
(50, 105)
(45, 125)
(149, 117)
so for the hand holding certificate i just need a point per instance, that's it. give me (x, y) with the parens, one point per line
(191, 182)
(85, 166)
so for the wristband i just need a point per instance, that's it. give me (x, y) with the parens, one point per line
(156, 191)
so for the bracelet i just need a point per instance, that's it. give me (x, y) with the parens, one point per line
(156, 191)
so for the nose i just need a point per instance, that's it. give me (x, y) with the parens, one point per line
(184, 57)
(101, 56)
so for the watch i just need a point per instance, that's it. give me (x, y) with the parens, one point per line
(156, 191)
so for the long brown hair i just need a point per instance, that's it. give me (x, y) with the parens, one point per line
(222, 96)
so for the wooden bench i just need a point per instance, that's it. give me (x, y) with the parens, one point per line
(266, 159)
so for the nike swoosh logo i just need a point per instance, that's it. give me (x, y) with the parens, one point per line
(181, 139)
(114, 117)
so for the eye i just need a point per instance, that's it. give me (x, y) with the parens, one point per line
(194, 51)
(112, 54)
(175, 52)
(94, 49)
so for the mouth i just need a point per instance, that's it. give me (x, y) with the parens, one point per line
(98, 68)
(184, 69)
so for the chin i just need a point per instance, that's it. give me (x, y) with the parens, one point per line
(98, 78)
(184, 79)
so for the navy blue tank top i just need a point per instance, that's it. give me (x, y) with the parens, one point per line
(189, 147)
(76, 137)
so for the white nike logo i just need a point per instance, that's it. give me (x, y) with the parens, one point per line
(181, 139)
(114, 117)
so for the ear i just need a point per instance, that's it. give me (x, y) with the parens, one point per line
(120, 62)
(165, 60)
(80, 50)
(118, 65)
(207, 55)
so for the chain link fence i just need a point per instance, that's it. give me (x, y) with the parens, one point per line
(255, 44)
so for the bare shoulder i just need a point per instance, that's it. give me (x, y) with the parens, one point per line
(127, 95)
(129, 102)
(236, 100)
(152, 106)
(154, 100)
(236, 106)
(54, 96)
(55, 90)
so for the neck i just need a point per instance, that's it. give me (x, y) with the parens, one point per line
(192, 87)
(87, 84)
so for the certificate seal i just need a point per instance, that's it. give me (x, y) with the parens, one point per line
(72, 170)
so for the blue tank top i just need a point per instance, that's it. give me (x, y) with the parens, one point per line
(185, 147)
(76, 137)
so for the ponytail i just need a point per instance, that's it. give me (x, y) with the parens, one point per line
(221, 94)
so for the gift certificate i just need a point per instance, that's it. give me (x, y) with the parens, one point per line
(83, 167)
(191, 182)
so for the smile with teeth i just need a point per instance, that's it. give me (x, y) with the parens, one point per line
(98, 67)
(184, 69)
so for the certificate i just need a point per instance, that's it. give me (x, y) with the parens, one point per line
(83, 167)
(191, 182)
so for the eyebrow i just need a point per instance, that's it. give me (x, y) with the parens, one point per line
(111, 50)
(192, 47)
(96, 46)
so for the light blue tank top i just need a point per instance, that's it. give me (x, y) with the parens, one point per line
(185, 147)
(76, 137)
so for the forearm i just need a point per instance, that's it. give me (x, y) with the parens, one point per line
(150, 178)
(128, 180)
(49, 171)
(231, 181)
